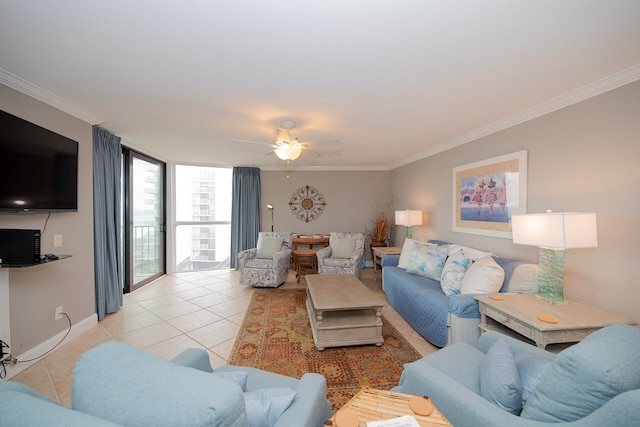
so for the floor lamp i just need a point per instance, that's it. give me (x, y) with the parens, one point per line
(270, 207)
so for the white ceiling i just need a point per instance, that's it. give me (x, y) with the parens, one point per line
(393, 80)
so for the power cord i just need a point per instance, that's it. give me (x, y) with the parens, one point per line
(45, 224)
(7, 358)
(4, 357)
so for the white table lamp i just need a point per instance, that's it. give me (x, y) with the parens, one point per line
(408, 218)
(553, 233)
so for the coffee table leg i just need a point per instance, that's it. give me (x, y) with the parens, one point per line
(319, 316)
(379, 323)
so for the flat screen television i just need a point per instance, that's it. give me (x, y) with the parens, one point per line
(38, 168)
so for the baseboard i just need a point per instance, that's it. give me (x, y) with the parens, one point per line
(76, 330)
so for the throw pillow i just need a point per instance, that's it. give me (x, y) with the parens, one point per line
(238, 377)
(268, 245)
(474, 254)
(483, 276)
(587, 375)
(264, 406)
(531, 368)
(428, 261)
(499, 378)
(342, 247)
(453, 272)
(407, 250)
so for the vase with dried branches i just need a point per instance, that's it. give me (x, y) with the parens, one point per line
(380, 228)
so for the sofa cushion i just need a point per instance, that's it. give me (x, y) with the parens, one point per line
(127, 386)
(264, 406)
(453, 271)
(474, 254)
(587, 375)
(342, 247)
(531, 368)
(518, 276)
(524, 279)
(483, 276)
(499, 378)
(267, 246)
(407, 249)
(428, 261)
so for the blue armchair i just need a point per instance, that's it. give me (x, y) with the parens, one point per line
(593, 383)
(116, 384)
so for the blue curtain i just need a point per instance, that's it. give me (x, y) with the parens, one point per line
(245, 211)
(107, 154)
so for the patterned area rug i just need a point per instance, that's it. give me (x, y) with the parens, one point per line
(276, 336)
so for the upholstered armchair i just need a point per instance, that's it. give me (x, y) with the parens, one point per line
(115, 384)
(267, 265)
(343, 255)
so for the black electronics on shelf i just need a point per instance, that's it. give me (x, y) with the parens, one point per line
(19, 246)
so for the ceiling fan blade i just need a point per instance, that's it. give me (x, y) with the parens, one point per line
(253, 142)
(322, 142)
(313, 153)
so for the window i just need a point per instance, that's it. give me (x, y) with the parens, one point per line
(203, 217)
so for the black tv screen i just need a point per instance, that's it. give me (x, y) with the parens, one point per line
(38, 168)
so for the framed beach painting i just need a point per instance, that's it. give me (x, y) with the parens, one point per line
(487, 193)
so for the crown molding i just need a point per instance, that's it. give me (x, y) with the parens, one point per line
(29, 89)
(325, 168)
(598, 87)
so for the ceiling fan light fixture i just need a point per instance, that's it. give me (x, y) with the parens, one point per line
(283, 135)
(287, 151)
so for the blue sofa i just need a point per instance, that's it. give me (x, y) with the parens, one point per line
(116, 384)
(593, 383)
(440, 319)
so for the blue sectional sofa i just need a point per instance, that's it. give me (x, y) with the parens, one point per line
(593, 383)
(442, 319)
(116, 384)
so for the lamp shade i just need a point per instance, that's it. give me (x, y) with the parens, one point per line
(563, 230)
(288, 151)
(408, 218)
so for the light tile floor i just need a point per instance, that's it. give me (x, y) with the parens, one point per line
(201, 309)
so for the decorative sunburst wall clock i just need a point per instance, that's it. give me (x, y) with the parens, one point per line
(307, 203)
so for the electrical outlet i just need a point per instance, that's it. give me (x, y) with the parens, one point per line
(57, 240)
(58, 315)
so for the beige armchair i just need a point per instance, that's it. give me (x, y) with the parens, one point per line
(343, 255)
(267, 265)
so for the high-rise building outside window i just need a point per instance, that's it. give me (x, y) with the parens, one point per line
(203, 217)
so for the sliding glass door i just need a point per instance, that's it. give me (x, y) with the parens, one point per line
(144, 219)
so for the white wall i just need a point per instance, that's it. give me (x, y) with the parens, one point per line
(35, 292)
(581, 158)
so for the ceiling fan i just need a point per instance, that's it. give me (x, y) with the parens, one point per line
(286, 146)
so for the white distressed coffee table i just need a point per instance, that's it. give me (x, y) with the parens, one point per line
(343, 311)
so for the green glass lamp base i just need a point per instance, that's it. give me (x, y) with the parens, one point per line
(408, 232)
(551, 275)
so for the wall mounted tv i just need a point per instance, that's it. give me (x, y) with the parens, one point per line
(38, 168)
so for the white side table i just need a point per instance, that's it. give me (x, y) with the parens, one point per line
(381, 252)
(520, 313)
